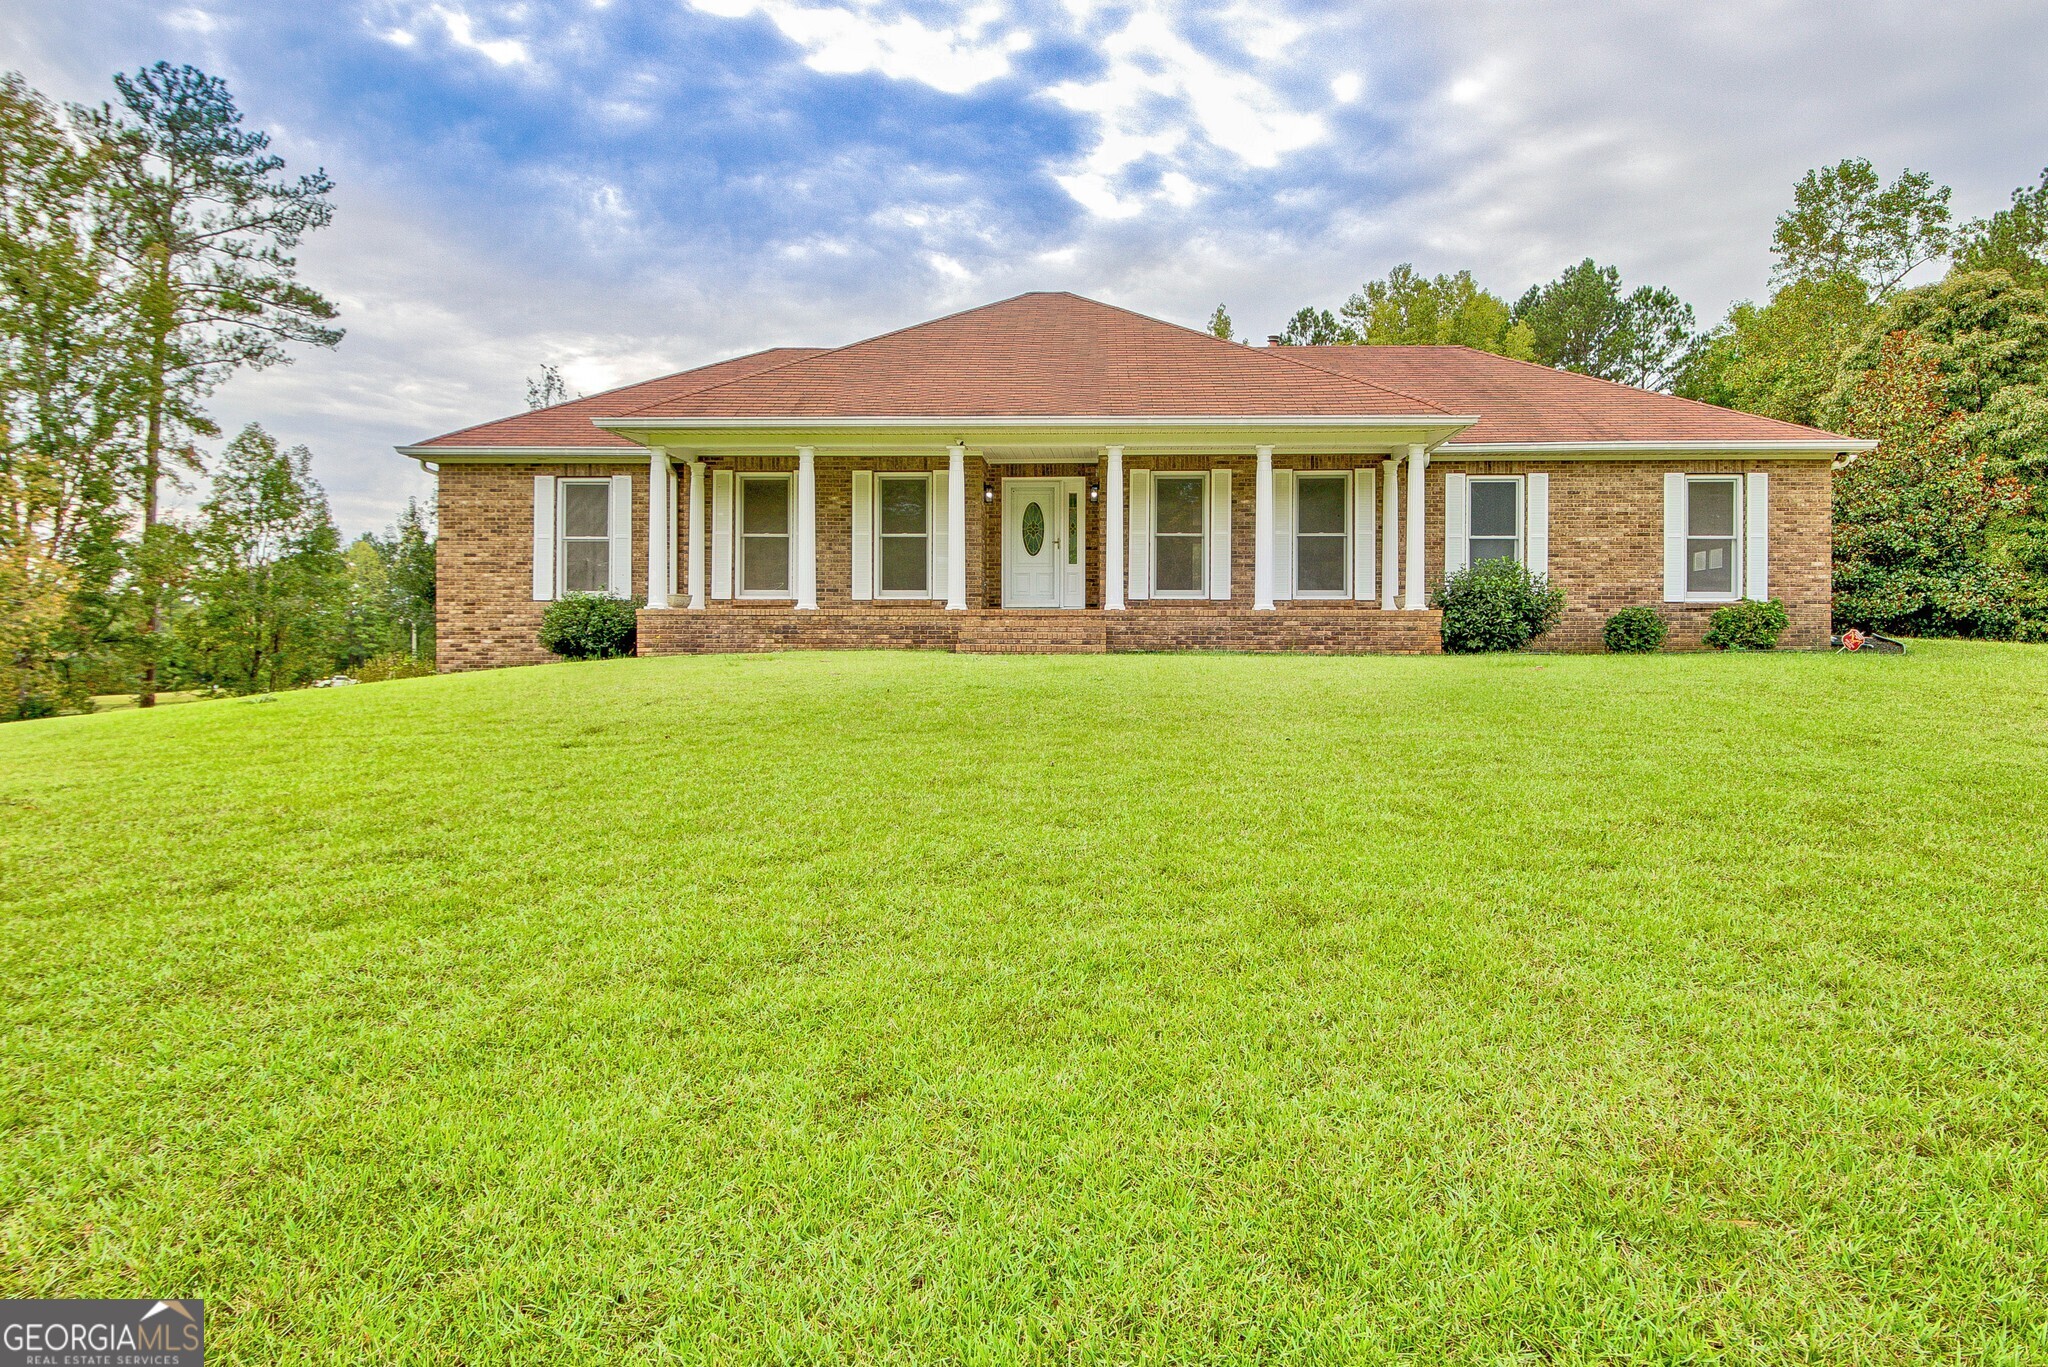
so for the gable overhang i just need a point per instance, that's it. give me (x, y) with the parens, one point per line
(1192, 434)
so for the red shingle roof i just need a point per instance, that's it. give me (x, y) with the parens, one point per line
(1519, 401)
(1042, 355)
(567, 425)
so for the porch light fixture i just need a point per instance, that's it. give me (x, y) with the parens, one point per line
(988, 492)
(1094, 493)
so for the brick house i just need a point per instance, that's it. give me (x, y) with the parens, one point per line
(1051, 473)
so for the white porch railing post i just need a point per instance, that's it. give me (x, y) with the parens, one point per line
(697, 557)
(1418, 466)
(661, 496)
(806, 530)
(956, 528)
(1262, 532)
(1390, 533)
(1113, 531)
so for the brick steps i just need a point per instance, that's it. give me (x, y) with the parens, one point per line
(1032, 633)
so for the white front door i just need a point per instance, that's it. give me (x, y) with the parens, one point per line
(1034, 521)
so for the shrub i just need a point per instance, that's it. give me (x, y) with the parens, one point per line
(378, 668)
(1496, 605)
(1747, 625)
(1634, 631)
(588, 626)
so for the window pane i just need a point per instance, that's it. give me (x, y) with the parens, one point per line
(1319, 564)
(1709, 565)
(1179, 561)
(1179, 500)
(764, 564)
(1319, 503)
(1712, 508)
(764, 506)
(1491, 548)
(586, 566)
(585, 509)
(903, 505)
(1493, 510)
(903, 564)
(1073, 529)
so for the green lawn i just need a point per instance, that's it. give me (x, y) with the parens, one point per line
(923, 1008)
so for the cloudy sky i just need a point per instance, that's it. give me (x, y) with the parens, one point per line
(625, 187)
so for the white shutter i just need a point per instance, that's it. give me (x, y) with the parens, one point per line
(721, 533)
(619, 582)
(1219, 534)
(1457, 524)
(1756, 537)
(1283, 535)
(1536, 515)
(1140, 548)
(1674, 538)
(1365, 507)
(863, 534)
(543, 538)
(942, 520)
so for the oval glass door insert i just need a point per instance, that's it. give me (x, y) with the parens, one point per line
(1033, 529)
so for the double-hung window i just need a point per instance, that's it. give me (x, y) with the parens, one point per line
(1322, 556)
(903, 535)
(1494, 518)
(1713, 536)
(764, 534)
(1180, 524)
(585, 518)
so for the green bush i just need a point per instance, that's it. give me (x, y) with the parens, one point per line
(1634, 631)
(588, 626)
(1747, 625)
(1496, 605)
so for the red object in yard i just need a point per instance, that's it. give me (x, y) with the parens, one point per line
(1852, 639)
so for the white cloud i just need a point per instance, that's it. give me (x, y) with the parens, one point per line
(462, 30)
(863, 36)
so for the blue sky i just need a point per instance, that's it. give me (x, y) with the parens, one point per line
(625, 187)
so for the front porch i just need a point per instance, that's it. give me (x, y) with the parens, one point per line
(1297, 628)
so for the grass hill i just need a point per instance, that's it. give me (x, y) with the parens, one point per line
(929, 1007)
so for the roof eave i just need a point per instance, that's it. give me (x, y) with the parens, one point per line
(1816, 448)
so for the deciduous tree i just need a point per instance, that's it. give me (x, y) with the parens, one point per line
(1845, 221)
(270, 585)
(2013, 240)
(1582, 321)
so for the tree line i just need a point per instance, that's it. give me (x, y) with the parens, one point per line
(1944, 529)
(145, 257)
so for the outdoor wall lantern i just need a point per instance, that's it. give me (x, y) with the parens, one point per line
(988, 492)
(1094, 493)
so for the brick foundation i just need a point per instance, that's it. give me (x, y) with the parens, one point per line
(994, 631)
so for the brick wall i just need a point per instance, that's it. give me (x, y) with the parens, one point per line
(1607, 542)
(1606, 551)
(484, 613)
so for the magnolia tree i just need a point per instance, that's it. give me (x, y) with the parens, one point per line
(1911, 518)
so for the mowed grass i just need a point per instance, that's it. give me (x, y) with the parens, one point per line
(921, 1008)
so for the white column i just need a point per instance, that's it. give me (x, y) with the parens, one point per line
(806, 530)
(697, 557)
(1262, 531)
(956, 528)
(661, 496)
(1418, 466)
(1113, 532)
(1390, 533)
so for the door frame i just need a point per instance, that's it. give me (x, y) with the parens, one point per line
(1066, 593)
